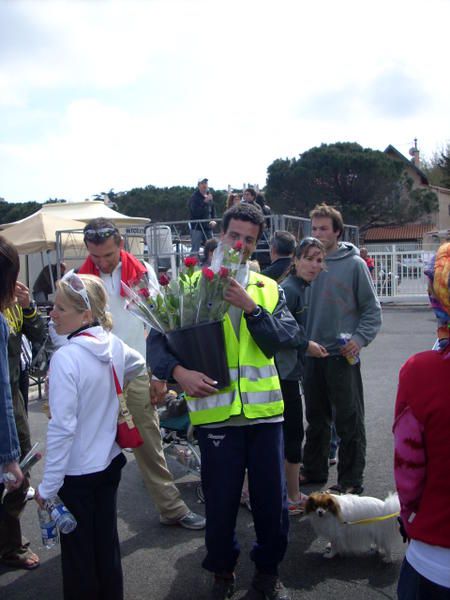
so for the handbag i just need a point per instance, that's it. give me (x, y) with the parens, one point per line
(128, 435)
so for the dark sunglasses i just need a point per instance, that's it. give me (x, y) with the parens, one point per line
(99, 234)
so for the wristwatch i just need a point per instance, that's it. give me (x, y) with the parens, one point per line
(256, 312)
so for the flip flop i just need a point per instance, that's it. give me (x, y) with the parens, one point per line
(26, 560)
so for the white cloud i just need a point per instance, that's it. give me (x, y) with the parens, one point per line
(122, 94)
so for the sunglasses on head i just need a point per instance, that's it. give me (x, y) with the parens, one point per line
(76, 284)
(309, 241)
(99, 234)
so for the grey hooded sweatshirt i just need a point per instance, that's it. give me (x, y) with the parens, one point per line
(343, 300)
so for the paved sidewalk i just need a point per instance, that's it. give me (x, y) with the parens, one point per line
(164, 562)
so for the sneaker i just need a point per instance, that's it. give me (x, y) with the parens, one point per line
(190, 520)
(266, 587)
(223, 587)
(297, 507)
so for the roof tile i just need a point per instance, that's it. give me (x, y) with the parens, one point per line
(411, 231)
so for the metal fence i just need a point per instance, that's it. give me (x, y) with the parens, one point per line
(169, 242)
(399, 270)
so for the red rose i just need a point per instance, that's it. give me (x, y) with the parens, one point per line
(260, 284)
(223, 272)
(144, 292)
(238, 246)
(164, 280)
(208, 273)
(190, 261)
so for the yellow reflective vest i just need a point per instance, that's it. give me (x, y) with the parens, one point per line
(255, 388)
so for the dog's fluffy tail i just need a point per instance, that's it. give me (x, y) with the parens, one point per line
(392, 504)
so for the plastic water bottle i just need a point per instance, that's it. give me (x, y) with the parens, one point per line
(64, 519)
(49, 532)
(344, 338)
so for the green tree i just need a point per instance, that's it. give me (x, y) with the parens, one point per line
(366, 185)
(444, 164)
(437, 168)
(14, 211)
(162, 204)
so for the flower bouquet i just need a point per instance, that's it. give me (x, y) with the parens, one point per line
(189, 310)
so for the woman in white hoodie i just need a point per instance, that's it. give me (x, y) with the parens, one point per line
(83, 461)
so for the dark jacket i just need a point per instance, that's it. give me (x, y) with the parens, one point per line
(43, 282)
(278, 269)
(27, 321)
(271, 331)
(199, 209)
(290, 362)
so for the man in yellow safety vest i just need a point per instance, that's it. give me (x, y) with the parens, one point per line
(240, 427)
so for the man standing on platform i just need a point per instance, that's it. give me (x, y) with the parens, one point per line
(112, 264)
(201, 206)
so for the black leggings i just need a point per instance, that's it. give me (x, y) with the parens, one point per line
(293, 420)
(90, 555)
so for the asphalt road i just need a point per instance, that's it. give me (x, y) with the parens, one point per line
(163, 562)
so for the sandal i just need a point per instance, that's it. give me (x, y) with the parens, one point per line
(21, 560)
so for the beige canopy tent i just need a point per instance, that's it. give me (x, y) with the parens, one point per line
(84, 211)
(35, 240)
(41, 233)
(37, 233)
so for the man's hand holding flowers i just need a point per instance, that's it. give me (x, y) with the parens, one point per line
(237, 296)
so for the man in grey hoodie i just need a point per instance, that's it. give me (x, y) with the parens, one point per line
(342, 300)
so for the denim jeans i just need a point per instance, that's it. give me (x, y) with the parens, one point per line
(197, 238)
(413, 586)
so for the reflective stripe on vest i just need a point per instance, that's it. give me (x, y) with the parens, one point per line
(255, 388)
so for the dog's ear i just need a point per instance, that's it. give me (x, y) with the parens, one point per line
(332, 506)
(310, 505)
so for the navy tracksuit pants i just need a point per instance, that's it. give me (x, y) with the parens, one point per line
(225, 453)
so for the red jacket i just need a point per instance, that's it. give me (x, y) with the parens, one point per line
(422, 446)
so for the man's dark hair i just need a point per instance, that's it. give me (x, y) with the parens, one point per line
(252, 192)
(283, 243)
(243, 212)
(323, 210)
(9, 270)
(99, 230)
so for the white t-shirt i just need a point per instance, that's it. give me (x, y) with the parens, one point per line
(432, 562)
(126, 326)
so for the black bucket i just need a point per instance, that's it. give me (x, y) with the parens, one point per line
(202, 348)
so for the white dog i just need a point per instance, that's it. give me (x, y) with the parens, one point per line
(354, 524)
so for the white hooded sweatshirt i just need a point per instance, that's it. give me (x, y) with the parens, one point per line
(84, 406)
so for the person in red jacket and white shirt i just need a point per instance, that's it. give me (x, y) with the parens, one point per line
(422, 461)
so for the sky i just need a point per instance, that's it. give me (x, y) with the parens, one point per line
(103, 94)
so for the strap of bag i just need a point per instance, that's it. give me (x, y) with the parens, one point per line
(124, 412)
